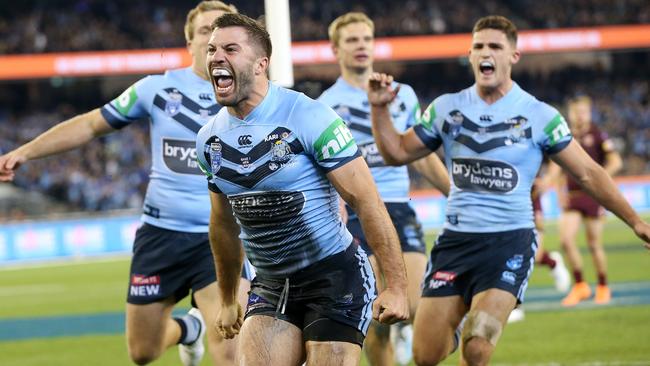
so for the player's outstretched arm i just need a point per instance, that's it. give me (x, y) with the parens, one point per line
(433, 170)
(595, 181)
(228, 260)
(396, 148)
(356, 186)
(65, 136)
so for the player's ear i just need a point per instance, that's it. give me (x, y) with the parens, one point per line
(335, 50)
(516, 55)
(262, 65)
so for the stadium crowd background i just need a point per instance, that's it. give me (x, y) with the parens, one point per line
(112, 172)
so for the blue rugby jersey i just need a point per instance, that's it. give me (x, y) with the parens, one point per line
(352, 105)
(178, 104)
(493, 153)
(272, 167)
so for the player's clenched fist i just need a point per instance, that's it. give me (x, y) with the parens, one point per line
(380, 89)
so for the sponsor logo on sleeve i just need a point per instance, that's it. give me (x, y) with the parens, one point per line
(336, 138)
(428, 116)
(556, 130)
(126, 100)
(180, 156)
(479, 175)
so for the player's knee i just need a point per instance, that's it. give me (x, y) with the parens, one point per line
(141, 358)
(142, 355)
(428, 358)
(426, 353)
(480, 324)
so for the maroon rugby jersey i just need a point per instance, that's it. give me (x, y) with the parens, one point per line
(597, 144)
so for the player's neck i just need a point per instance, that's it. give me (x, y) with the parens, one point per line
(254, 98)
(492, 95)
(357, 78)
(200, 72)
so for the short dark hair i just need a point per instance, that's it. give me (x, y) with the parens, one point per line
(255, 30)
(497, 22)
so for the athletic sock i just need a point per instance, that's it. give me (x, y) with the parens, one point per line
(577, 275)
(190, 329)
(546, 260)
(602, 279)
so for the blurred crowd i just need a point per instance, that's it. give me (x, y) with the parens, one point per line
(112, 172)
(35, 26)
(109, 173)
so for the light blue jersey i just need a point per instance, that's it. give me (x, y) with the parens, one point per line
(352, 105)
(493, 153)
(178, 104)
(272, 167)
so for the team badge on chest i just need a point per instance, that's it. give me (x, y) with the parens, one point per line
(173, 104)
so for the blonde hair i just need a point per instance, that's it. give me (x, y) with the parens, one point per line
(579, 99)
(334, 30)
(204, 6)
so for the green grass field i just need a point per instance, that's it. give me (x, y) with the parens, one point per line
(610, 335)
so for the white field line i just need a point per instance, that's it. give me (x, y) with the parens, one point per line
(37, 264)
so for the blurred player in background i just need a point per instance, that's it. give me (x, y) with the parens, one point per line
(275, 160)
(494, 135)
(171, 252)
(553, 260)
(352, 40)
(578, 206)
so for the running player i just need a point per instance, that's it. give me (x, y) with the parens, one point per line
(578, 206)
(171, 248)
(494, 135)
(275, 161)
(352, 40)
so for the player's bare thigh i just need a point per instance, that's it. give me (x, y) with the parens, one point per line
(265, 340)
(435, 322)
(416, 264)
(149, 329)
(207, 299)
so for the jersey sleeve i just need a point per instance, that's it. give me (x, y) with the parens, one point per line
(133, 104)
(426, 129)
(412, 105)
(323, 134)
(208, 155)
(555, 134)
(606, 144)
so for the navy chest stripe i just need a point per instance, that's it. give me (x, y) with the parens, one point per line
(193, 106)
(235, 156)
(360, 128)
(262, 148)
(179, 117)
(354, 112)
(489, 144)
(257, 175)
(470, 125)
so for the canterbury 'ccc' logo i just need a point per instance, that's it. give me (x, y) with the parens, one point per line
(244, 140)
